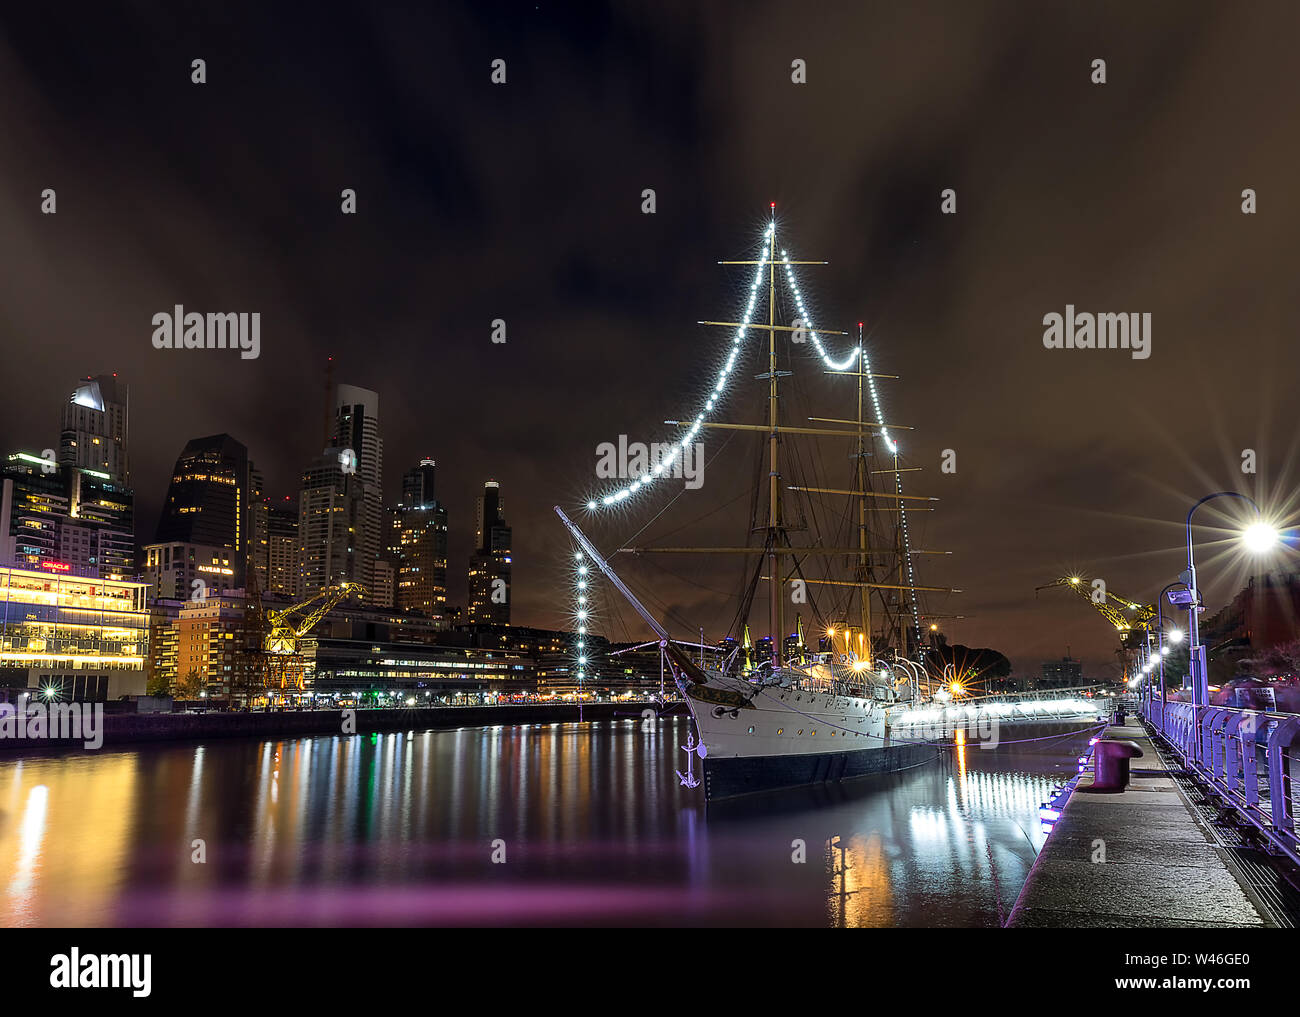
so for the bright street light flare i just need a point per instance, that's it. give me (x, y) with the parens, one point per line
(1259, 537)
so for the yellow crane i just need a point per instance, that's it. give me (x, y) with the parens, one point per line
(1131, 620)
(285, 627)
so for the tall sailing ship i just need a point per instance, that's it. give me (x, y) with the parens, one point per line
(845, 703)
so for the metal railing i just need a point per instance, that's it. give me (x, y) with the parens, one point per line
(1244, 758)
(1110, 692)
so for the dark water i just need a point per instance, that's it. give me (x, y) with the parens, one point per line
(399, 829)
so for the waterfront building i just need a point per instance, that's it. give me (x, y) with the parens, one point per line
(72, 637)
(161, 660)
(214, 641)
(406, 672)
(389, 657)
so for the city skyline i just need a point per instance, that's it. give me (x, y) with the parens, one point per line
(203, 452)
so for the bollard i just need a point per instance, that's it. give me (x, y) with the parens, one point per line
(1110, 765)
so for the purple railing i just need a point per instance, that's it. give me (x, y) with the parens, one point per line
(1243, 758)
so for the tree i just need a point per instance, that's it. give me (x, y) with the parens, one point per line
(1274, 661)
(159, 685)
(973, 665)
(190, 686)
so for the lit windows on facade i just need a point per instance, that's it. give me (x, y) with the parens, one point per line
(86, 637)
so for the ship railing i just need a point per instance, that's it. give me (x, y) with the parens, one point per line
(796, 680)
(1243, 759)
(1098, 691)
(1006, 712)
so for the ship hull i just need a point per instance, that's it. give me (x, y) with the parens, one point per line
(732, 776)
(767, 739)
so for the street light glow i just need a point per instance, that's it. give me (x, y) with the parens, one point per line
(1176, 636)
(1259, 537)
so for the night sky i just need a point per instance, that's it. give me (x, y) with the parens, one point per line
(523, 202)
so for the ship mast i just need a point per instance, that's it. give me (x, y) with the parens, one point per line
(774, 532)
(776, 545)
(863, 574)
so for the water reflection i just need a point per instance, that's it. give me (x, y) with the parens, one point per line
(399, 829)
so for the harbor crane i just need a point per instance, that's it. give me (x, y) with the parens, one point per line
(284, 629)
(1131, 620)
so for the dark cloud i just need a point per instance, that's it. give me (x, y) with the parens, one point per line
(522, 203)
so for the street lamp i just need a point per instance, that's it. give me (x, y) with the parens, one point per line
(1258, 537)
(1175, 637)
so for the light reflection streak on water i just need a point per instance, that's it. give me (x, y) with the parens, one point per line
(334, 830)
(30, 832)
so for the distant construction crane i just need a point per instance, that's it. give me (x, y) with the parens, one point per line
(1133, 621)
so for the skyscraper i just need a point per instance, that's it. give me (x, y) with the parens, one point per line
(282, 549)
(94, 426)
(356, 430)
(490, 564)
(208, 499)
(258, 521)
(65, 519)
(418, 483)
(417, 545)
(331, 513)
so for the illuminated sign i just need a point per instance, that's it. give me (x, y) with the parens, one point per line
(56, 566)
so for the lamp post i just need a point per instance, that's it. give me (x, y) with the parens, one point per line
(1258, 537)
(1175, 637)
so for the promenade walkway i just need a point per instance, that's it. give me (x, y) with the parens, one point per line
(1161, 868)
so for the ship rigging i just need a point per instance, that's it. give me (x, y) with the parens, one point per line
(871, 608)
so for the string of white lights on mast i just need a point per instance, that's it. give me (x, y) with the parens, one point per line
(582, 578)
